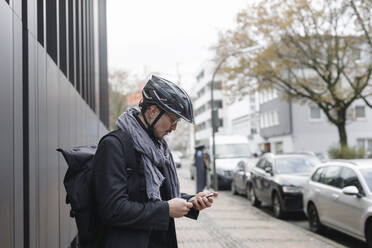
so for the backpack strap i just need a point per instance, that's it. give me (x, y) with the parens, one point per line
(122, 136)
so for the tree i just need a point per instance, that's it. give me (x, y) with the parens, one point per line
(119, 87)
(313, 51)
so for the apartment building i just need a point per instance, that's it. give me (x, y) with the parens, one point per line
(202, 106)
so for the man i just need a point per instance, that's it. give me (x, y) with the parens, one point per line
(137, 206)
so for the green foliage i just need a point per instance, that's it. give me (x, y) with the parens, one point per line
(346, 152)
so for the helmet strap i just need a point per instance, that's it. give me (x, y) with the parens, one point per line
(156, 119)
(150, 128)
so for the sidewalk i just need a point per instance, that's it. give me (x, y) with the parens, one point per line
(232, 222)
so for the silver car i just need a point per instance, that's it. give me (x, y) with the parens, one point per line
(339, 195)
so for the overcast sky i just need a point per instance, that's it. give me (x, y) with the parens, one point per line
(167, 36)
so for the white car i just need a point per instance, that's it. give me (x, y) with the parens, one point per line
(339, 195)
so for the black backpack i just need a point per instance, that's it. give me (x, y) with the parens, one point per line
(79, 185)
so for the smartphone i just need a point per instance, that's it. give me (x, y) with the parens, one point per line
(209, 195)
(206, 196)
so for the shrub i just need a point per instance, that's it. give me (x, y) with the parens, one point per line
(345, 152)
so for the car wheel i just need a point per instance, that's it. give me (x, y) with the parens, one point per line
(277, 207)
(369, 234)
(233, 188)
(313, 217)
(252, 197)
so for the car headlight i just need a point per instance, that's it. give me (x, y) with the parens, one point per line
(292, 189)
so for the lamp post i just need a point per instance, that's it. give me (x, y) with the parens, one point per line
(213, 111)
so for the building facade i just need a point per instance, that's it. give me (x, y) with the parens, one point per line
(202, 106)
(243, 119)
(53, 93)
(292, 127)
(235, 116)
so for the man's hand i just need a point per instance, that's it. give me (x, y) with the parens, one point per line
(178, 207)
(200, 202)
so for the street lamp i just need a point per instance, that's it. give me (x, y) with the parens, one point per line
(214, 111)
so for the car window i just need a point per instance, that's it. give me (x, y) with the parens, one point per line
(268, 164)
(294, 165)
(316, 175)
(367, 174)
(331, 176)
(261, 163)
(241, 166)
(350, 178)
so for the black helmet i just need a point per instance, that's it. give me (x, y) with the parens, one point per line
(169, 97)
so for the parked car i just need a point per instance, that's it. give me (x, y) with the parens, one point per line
(278, 180)
(230, 149)
(339, 195)
(242, 176)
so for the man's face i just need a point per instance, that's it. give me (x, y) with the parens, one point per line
(166, 124)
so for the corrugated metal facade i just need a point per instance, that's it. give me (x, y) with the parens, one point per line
(53, 93)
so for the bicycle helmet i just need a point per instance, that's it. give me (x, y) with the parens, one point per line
(168, 96)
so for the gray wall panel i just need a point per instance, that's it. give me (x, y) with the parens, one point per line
(70, 102)
(93, 127)
(73, 120)
(31, 18)
(80, 121)
(17, 7)
(58, 116)
(63, 140)
(102, 130)
(6, 126)
(33, 148)
(52, 165)
(43, 144)
(18, 131)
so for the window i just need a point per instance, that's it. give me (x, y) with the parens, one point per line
(366, 144)
(220, 122)
(315, 113)
(360, 112)
(317, 174)
(360, 143)
(217, 104)
(268, 165)
(261, 164)
(331, 176)
(279, 147)
(276, 118)
(350, 178)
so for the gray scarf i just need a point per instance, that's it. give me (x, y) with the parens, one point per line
(152, 156)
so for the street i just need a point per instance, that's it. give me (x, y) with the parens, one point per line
(233, 222)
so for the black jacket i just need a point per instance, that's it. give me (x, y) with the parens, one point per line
(129, 219)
